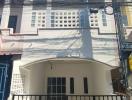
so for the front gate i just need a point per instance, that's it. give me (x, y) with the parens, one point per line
(70, 97)
(3, 76)
(6, 65)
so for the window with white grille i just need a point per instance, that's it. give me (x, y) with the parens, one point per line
(17, 83)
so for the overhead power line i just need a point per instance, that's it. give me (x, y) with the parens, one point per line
(64, 3)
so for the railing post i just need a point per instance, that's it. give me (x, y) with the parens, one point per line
(93, 97)
(13, 97)
(121, 97)
(40, 97)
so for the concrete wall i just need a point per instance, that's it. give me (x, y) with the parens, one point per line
(70, 43)
(102, 79)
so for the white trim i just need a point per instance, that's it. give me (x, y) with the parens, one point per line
(69, 59)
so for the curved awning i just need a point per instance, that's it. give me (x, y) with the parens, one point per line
(66, 60)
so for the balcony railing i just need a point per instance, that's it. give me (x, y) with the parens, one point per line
(69, 97)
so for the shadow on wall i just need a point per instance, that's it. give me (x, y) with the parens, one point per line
(86, 34)
(65, 50)
(60, 46)
(1, 8)
(118, 86)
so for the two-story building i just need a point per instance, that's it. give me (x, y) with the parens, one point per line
(67, 47)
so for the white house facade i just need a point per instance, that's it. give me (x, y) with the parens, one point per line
(64, 50)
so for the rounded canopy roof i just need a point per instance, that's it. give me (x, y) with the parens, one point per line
(66, 60)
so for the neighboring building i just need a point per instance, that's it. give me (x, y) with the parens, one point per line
(127, 22)
(63, 50)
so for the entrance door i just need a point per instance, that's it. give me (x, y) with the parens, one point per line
(56, 88)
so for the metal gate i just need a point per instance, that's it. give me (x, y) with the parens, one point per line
(3, 76)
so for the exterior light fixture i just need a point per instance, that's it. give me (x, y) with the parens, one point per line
(109, 10)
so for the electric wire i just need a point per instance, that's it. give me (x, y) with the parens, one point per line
(63, 4)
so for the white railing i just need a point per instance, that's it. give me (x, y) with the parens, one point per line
(69, 97)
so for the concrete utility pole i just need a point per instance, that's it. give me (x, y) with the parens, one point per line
(123, 46)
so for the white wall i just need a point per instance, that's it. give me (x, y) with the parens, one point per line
(102, 79)
(110, 28)
(77, 43)
(70, 43)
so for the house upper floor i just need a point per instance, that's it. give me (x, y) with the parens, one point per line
(54, 31)
(64, 14)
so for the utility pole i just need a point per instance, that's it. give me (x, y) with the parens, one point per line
(123, 52)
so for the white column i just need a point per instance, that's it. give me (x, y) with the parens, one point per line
(5, 17)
